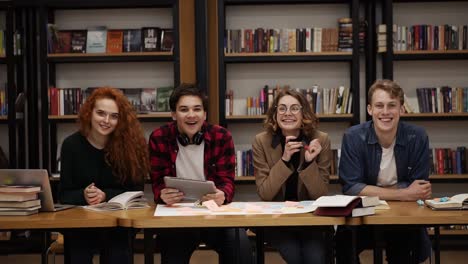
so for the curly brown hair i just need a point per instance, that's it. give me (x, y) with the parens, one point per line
(126, 150)
(309, 119)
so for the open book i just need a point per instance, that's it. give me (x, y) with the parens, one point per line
(126, 200)
(456, 202)
(346, 205)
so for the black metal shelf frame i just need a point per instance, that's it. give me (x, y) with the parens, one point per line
(44, 13)
(353, 59)
(13, 86)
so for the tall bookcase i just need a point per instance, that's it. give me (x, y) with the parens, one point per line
(247, 73)
(122, 70)
(11, 72)
(429, 68)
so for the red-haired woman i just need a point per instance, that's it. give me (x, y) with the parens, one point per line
(107, 157)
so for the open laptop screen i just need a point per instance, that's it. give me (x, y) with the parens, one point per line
(31, 177)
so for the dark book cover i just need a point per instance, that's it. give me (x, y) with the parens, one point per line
(463, 164)
(151, 38)
(78, 41)
(63, 44)
(132, 40)
(167, 39)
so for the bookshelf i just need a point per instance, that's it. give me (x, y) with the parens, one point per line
(11, 122)
(247, 73)
(429, 68)
(120, 70)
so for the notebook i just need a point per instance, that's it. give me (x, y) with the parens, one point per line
(33, 177)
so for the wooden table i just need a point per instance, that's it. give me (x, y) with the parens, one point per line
(409, 213)
(145, 219)
(71, 218)
(68, 219)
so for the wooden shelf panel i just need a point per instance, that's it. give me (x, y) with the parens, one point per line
(282, 2)
(448, 176)
(450, 232)
(287, 57)
(245, 179)
(428, 52)
(102, 4)
(431, 55)
(435, 116)
(110, 57)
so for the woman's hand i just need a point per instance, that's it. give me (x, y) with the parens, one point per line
(290, 147)
(312, 150)
(94, 195)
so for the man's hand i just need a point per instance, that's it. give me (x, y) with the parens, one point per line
(94, 195)
(171, 196)
(219, 197)
(419, 189)
(312, 150)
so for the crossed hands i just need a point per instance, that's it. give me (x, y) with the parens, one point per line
(419, 189)
(171, 196)
(311, 151)
(94, 195)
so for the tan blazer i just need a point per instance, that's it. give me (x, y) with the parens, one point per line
(271, 172)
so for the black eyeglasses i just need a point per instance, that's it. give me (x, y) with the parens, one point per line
(294, 109)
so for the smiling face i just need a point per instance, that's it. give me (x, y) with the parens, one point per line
(385, 112)
(289, 122)
(104, 118)
(189, 115)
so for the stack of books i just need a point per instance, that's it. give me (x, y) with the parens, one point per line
(19, 199)
(346, 205)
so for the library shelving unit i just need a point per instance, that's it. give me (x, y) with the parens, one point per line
(424, 56)
(48, 74)
(225, 60)
(13, 86)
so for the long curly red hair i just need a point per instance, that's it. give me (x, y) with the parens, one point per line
(126, 150)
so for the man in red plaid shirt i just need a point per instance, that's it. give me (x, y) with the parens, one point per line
(191, 148)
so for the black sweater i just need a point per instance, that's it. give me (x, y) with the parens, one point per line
(83, 164)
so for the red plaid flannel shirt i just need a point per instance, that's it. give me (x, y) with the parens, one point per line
(219, 158)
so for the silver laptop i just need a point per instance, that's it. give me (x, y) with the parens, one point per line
(34, 177)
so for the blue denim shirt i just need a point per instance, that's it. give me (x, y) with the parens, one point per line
(361, 155)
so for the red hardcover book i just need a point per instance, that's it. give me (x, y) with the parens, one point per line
(338, 211)
(440, 160)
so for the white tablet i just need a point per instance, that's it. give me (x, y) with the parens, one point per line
(192, 189)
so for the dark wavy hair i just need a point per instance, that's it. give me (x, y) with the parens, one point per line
(187, 89)
(126, 151)
(309, 119)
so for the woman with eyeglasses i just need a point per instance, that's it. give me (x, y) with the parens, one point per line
(106, 157)
(292, 162)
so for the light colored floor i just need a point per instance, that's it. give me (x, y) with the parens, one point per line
(206, 256)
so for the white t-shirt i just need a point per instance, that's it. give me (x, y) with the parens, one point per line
(189, 161)
(388, 173)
